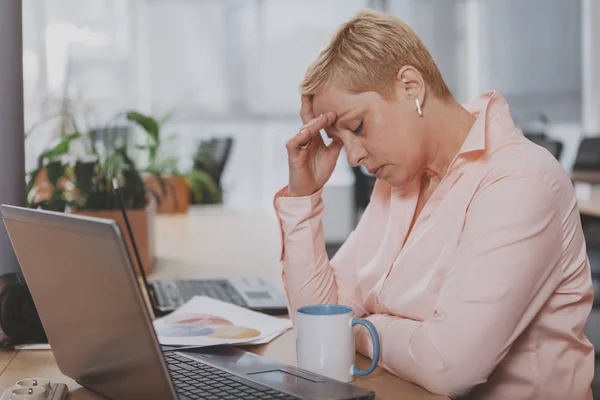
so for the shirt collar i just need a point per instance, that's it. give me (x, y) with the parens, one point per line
(492, 117)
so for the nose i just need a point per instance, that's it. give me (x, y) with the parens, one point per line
(356, 155)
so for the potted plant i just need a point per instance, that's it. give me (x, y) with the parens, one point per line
(80, 181)
(162, 175)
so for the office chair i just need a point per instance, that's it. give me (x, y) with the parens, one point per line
(588, 155)
(212, 156)
(555, 147)
(363, 188)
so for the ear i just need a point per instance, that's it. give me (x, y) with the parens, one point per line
(410, 84)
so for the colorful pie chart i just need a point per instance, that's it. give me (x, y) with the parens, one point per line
(233, 332)
(206, 325)
(184, 330)
(203, 319)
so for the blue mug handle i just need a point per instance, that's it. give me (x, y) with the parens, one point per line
(376, 348)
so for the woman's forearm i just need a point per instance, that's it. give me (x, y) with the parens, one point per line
(308, 275)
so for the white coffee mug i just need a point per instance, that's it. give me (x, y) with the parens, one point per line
(325, 341)
(29, 393)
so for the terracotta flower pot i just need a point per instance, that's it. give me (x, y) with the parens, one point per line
(177, 196)
(142, 225)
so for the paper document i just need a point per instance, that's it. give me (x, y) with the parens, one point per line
(204, 321)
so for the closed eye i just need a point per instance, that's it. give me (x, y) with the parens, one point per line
(359, 128)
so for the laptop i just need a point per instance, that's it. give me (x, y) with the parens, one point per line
(249, 292)
(98, 322)
(168, 295)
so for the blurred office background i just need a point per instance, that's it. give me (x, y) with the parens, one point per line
(231, 68)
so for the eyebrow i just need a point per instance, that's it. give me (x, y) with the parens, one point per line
(335, 124)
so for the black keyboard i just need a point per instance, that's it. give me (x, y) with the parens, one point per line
(174, 294)
(196, 380)
(217, 289)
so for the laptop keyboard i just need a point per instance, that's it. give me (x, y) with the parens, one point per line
(196, 380)
(218, 289)
(174, 297)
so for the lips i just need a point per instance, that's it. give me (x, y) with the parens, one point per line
(373, 171)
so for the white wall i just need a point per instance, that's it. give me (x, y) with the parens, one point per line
(435, 22)
(531, 53)
(591, 66)
(190, 65)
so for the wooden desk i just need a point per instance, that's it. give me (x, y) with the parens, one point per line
(193, 246)
(41, 363)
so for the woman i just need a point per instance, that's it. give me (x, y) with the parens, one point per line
(470, 258)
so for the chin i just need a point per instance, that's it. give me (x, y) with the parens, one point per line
(401, 184)
(396, 183)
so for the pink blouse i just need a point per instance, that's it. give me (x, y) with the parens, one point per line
(488, 295)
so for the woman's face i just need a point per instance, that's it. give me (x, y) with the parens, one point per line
(385, 136)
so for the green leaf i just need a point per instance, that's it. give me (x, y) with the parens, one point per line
(62, 147)
(115, 166)
(149, 124)
(56, 170)
(167, 117)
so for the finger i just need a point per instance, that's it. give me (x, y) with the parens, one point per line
(302, 138)
(323, 121)
(306, 109)
(310, 131)
(314, 128)
(304, 145)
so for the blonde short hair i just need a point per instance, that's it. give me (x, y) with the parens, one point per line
(366, 54)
